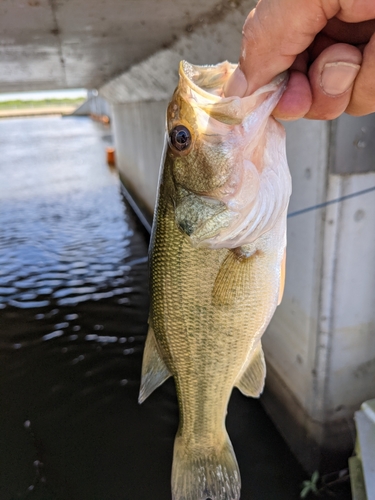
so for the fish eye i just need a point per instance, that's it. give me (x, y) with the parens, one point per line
(180, 138)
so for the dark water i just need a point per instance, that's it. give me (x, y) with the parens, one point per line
(73, 318)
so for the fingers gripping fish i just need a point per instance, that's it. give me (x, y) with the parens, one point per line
(217, 258)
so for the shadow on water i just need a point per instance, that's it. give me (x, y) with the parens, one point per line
(73, 319)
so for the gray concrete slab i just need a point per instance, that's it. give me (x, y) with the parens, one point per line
(47, 44)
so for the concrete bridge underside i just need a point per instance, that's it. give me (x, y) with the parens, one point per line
(47, 44)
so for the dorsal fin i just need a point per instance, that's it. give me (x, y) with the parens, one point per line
(251, 381)
(154, 370)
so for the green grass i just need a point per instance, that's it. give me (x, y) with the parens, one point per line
(44, 103)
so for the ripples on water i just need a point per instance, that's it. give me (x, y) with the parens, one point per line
(64, 236)
(73, 318)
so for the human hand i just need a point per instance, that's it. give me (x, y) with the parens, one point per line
(329, 47)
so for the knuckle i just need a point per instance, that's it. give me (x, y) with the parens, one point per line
(249, 25)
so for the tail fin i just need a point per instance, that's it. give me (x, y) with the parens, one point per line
(199, 474)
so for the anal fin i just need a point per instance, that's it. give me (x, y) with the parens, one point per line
(251, 381)
(154, 369)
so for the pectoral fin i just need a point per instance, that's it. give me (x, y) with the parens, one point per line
(233, 279)
(251, 382)
(154, 370)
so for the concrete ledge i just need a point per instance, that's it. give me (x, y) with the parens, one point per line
(137, 206)
(365, 423)
(318, 445)
(356, 479)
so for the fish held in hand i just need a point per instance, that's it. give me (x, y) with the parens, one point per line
(217, 259)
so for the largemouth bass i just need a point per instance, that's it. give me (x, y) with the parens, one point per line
(217, 258)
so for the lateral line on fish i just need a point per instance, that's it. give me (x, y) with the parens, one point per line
(331, 202)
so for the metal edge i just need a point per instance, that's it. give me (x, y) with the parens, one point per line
(142, 215)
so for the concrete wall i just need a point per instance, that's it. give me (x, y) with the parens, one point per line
(293, 382)
(320, 344)
(139, 130)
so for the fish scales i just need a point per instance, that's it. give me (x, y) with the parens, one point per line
(194, 333)
(214, 287)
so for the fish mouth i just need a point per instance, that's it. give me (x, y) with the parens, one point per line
(208, 80)
(205, 86)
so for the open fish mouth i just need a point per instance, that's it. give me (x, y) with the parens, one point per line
(207, 79)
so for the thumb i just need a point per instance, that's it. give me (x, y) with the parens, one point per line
(275, 32)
